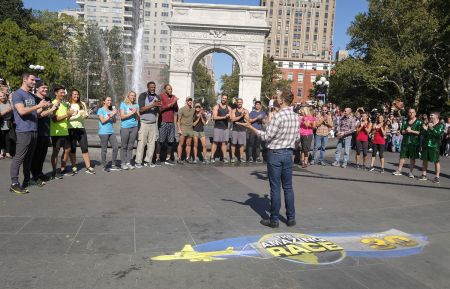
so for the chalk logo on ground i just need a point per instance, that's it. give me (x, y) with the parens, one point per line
(317, 249)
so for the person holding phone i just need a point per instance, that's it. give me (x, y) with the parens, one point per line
(107, 117)
(129, 115)
(149, 105)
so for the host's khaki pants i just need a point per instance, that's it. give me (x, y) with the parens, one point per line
(148, 134)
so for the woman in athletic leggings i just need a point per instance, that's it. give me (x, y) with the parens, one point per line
(379, 134)
(107, 118)
(77, 132)
(129, 114)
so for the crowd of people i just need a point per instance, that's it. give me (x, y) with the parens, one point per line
(30, 122)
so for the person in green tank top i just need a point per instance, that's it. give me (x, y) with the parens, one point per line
(59, 131)
(432, 137)
(409, 149)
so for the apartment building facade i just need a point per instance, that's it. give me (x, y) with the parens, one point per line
(301, 40)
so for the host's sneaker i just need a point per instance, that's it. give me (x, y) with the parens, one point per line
(397, 173)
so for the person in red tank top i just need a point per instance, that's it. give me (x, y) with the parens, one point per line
(362, 139)
(379, 134)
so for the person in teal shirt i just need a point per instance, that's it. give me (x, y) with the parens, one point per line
(107, 118)
(129, 114)
(432, 133)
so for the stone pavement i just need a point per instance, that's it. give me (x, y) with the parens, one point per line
(101, 231)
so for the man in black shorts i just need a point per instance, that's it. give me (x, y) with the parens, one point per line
(221, 115)
(59, 131)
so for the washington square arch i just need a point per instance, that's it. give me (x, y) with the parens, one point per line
(199, 29)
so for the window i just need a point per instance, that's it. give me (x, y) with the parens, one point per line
(290, 76)
(291, 65)
(280, 64)
(299, 91)
(148, 13)
(165, 5)
(164, 14)
(148, 4)
(163, 56)
(156, 5)
(104, 9)
(313, 78)
(117, 10)
(300, 77)
(302, 65)
(164, 32)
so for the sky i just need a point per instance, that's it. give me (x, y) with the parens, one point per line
(346, 11)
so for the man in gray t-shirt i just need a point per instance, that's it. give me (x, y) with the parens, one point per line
(149, 104)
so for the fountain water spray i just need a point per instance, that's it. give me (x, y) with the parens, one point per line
(137, 84)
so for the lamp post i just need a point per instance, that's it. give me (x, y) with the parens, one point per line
(322, 84)
(37, 68)
(87, 83)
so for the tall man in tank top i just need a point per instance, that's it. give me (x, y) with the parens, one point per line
(239, 133)
(221, 115)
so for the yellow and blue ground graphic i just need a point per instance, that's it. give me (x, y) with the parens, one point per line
(317, 249)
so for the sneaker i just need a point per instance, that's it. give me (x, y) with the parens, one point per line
(243, 161)
(16, 188)
(423, 178)
(158, 163)
(90, 171)
(205, 162)
(250, 160)
(124, 167)
(335, 164)
(169, 162)
(138, 166)
(233, 160)
(151, 165)
(56, 176)
(213, 161)
(259, 161)
(226, 161)
(146, 164)
(105, 169)
(410, 175)
(397, 173)
(67, 173)
(382, 171)
(115, 168)
(74, 170)
(344, 165)
(436, 180)
(372, 169)
(291, 223)
(194, 162)
(130, 166)
(38, 182)
(270, 223)
(312, 163)
(323, 164)
(180, 162)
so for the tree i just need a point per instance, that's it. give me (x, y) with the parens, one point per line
(230, 83)
(270, 81)
(204, 85)
(14, 10)
(393, 43)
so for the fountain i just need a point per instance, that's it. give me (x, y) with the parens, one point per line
(137, 84)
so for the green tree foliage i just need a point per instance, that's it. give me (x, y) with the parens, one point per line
(19, 49)
(394, 44)
(270, 82)
(230, 83)
(14, 10)
(204, 86)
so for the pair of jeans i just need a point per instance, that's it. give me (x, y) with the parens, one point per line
(346, 143)
(128, 137)
(279, 168)
(104, 139)
(254, 146)
(25, 147)
(320, 143)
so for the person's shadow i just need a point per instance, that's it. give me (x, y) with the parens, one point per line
(261, 205)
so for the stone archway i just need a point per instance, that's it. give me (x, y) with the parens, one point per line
(199, 29)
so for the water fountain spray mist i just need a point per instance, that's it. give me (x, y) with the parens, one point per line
(106, 63)
(137, 84)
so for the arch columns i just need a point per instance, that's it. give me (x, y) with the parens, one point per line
(199, 29)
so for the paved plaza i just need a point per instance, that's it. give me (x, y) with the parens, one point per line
(102, 231)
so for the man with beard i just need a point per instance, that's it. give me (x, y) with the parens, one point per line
(221, 115)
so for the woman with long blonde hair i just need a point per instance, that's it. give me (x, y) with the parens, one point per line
(306, 133)
(129, 115)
